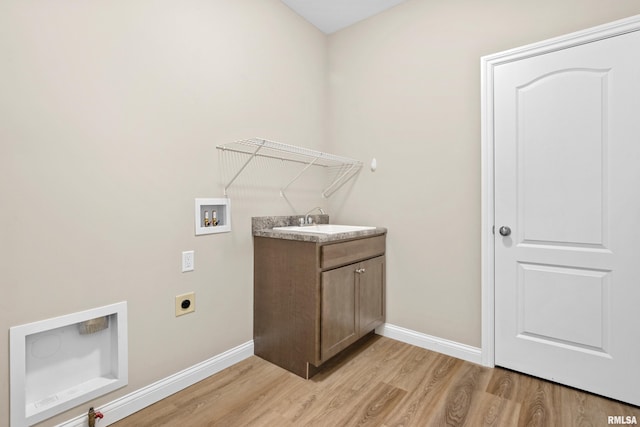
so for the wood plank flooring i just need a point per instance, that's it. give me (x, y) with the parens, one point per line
(384, 383)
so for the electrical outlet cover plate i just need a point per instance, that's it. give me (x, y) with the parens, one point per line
(185, 303)
(188, 261)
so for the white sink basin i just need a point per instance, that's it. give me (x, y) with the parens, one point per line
(324, 228)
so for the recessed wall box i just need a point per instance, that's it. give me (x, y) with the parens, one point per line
(59, 363)
(212, 216)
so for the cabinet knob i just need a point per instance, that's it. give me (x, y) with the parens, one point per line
(360, 270)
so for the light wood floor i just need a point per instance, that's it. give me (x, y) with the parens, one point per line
(380, 383)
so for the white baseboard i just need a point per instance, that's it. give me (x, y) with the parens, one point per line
(429, 342)
(139, 399)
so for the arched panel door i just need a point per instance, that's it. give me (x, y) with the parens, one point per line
(567, 190)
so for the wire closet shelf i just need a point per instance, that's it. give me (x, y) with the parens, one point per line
(344, 167)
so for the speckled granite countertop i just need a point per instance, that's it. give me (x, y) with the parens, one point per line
(263, 227)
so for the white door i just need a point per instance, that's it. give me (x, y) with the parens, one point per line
(567, 185)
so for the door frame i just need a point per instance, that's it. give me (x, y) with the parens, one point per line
(488, 64)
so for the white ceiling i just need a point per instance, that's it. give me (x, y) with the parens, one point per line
(333, 15)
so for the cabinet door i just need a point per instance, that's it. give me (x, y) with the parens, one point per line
(339, 321)
(371, 284)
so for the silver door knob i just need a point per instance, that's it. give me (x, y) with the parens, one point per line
(504, 231)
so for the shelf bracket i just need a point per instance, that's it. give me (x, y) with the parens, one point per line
(253, 155)
(341, 180)
(311, 163)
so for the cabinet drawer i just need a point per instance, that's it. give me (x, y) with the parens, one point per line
(351, 251)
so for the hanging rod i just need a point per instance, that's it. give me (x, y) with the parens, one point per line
(258, 147)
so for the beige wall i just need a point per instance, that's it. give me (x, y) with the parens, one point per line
(405, 88)
(110, 112)
(109, 117)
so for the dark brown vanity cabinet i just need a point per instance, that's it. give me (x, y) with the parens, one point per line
(312, 300)
(352, 300)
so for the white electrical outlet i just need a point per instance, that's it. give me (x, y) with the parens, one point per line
(188, 261)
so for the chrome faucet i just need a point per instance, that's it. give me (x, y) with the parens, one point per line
(308, 220)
